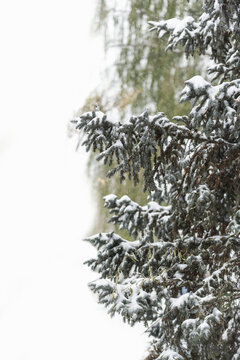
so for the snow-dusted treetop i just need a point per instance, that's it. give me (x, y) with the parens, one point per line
(216, 30)
(180, 277)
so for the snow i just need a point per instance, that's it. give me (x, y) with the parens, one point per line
(189, 323)
(127, 245)
(204, 329)
(131, 208)
(125, 198)
(175, 25)
(197, 82)
(153, 206)
(118, 144)
(110, 198)
(170, 355)
(231, 90)
(204, 17)
(180, 301)
(213, 91)
(216, 5)
(178, 275)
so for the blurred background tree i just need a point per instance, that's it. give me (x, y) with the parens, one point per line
(139, 74)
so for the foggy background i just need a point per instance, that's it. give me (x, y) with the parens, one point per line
(49, 62)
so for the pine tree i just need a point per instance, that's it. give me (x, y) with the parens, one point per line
(139, 76)
(180, 276)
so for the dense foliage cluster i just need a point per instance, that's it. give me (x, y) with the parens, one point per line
(139, 73)
(180, 277)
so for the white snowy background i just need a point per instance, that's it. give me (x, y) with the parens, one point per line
(49, 62)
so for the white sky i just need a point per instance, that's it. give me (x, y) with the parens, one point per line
(48, 64)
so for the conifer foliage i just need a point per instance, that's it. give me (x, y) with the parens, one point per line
(180, 276)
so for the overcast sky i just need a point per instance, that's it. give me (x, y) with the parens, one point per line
(48, 65)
